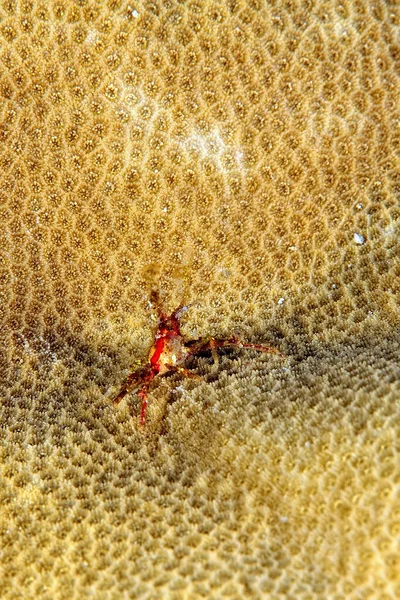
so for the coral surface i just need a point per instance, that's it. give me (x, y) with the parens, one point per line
(243, 158)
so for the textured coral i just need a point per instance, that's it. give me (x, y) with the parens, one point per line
(243, 158)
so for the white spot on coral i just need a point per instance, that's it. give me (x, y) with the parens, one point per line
(225, 272)
(181, 390)
(182, 311)
(213, 147)
(239, 155)
(281, 301)
(358, 238)
(91, 37)
(207, 146)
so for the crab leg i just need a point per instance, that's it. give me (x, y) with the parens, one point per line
(260, 347)
(212, 344)
(130, 383)
(183, 371)
(134, 380)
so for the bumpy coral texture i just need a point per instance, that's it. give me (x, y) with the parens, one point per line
(241, 158)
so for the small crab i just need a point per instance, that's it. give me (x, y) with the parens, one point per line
(170, 351)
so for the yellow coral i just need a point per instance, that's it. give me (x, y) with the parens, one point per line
(243, 158)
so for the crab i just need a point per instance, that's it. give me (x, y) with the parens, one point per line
(169, 352)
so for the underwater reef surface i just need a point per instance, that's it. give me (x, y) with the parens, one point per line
(242, 158)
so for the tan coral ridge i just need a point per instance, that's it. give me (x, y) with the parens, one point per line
(242, 158)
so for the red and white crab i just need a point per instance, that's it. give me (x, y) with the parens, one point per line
(170, 351)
